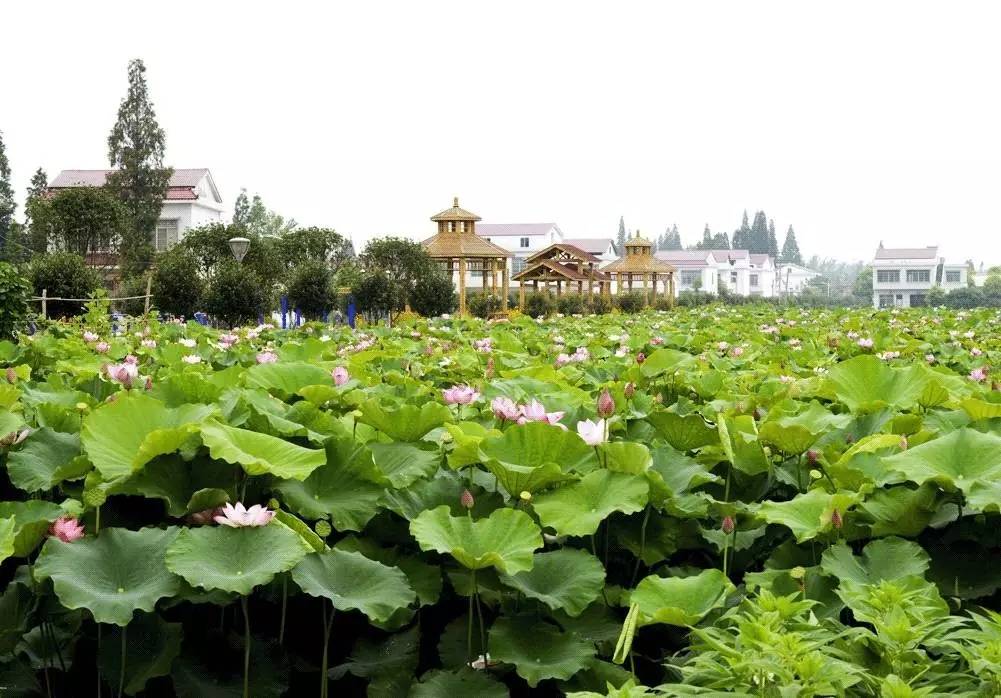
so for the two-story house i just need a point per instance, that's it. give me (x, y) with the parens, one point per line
(697, 270)
(744, 273)
(902, 276)
(192, 199)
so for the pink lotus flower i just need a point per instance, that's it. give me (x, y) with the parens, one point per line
(340, 376)
(148, 344)
(786, 379)
(229, 339)
(239, 516)
(593, 433)
(267, 357)
(483, 345)
(505, 409)
(865, 343)
(930, 358)
(975, 352)
(102, 347)
(89, 337)
(191, 359)
(67, 529)
(11, 376)
(657, 341)
(124, 373)
(460, 395)
(466, 499)
(978, 374)
(535, 411)
(737, 352)
(722, 346)
(189, 343)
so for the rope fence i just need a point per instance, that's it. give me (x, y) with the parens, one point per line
(45, 298)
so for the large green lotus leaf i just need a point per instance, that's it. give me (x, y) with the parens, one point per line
(404, 463)
(301, 529)
(235, 559)
(404, 423)
(578, 509)
(445, 488)
(516, 479)
(683, 433)
(341, 489)
(31, 521)
(260, 453)
(964, 459)
(123, 436)
(267, 414)
(883, 559)
(680, 601)
(505, 539)
(792, 439)
(9, 422)
(538, 650)
(745, 452)
(46, 459)
(424, 578)
(981, 409)
(6, 538)
(666, 361)
(866, 384)
(152, 646)
(352, 582)
(901, 510)
(113, 574)
(285, 378)
(796, 433)
(438, 683)
(566, 579)
(389, 664)
(538, 444)
(466, 439)
(807, 515)
(625, 457)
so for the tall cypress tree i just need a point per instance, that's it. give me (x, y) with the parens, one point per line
(721, 241)
(620, 240)
(7, 205)
(758, 243)
(773, 243)
(241, 210)
(742, 235)
(136, 149)
(790, 248)
(36, 190)
(672, 239)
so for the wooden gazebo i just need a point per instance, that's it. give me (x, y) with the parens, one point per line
(562, 264)
(639, 263)
(457, 248)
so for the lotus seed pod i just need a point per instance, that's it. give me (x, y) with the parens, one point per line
(606, 404)
(467, 499)
(797, 572)
(640, 358)
(322, 528)
(525, 496)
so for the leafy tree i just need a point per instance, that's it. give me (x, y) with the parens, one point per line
(241, 210)
(672, 239)
(405, 261)
(742, 235)
(139, 178)
(37, 188)
(7, 205)
(936, 296)
(235, 294)
(377, 296)
(721, 241)
(301, 245)
(790, 249)
(862, 289)
(311, 288)
(79, 220)
(620, 239)
(992, 290)
(707, 239)
(433, 295)
(264, 222)
(773, 243)
(177, 286)
(14, 290)
(965, 298)
(63, 275)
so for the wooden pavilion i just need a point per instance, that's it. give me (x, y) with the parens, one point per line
(639, 263)
(562, 264)
(458, 249)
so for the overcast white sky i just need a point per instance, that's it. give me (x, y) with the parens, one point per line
(854, 121)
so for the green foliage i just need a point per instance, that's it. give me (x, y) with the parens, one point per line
(311, 288)
(14, 295)
(433, 295)
(131, 288)
(177, 286)
(235, 294)
(376, 295)
(571, 304)
(79, 220)
(790, 249)
(600, 304)
(63, 275)
(630, 302)
(541, 304)
(484, 305)
(7, 204)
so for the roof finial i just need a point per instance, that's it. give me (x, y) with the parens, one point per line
(455, 201)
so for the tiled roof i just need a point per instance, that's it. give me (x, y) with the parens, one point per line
(180, 187)
(759, 260)
(573, 250)
(592, 245)
(453, 245)
(455, 213)
(568, 271)
(696, 259)
(491, 230)
(638, 264)
(929, 252)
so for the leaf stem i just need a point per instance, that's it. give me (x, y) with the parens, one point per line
(469, 628)
(327, 625)
(281, 624)
(479, 616)
(639, 559)
(246, 647)
(121, 669)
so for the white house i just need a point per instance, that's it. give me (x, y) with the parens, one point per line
(791, 279)
(696, 269)
(192, 200)
(902, 276)
(746, 274)
(602, 248)
(523, 239)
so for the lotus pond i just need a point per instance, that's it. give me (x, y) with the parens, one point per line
(757, 501)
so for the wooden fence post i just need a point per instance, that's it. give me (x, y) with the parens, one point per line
(45, 293)
(149, 285)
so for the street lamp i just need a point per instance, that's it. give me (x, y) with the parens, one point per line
(239, 247)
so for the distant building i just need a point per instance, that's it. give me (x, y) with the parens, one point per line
(791, 279)
(192, 200)
(696, 269)
(902, 276)
(521, 239)
(744, 273)
(602, 248)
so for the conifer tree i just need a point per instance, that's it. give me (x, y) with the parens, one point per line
(742, 235)
(7, 205)
(758, 243)
(620, 240)
(241, 210)
(773, 243)
(790, 248)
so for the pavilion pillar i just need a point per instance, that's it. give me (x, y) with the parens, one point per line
(521, 296)
(580, 287)
(462, 285)
(670, 290)
(630, 277)
(507, 284)
(559, 288)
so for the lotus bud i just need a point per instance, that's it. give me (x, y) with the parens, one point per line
(11, 376)
(630, 390)
(466, 500)
(811, 456)
(322, 528)
(836, 521)
(606, 404)
(903, 442)
(659, 398)
(640, 358)
(728, 526)
(149, 383)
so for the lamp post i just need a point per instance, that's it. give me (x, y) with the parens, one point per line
(239, 247)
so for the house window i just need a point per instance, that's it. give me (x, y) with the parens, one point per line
(165, 234)
(518, 265)
(919, 275)
(523, 242)
(886, 300)
(888, 276)
(953, 277)
(918, 300)
(754, 280)
(689, 277)
(733, 277)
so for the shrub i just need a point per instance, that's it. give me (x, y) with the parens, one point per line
(570, 304)
(433, 295)
(131, 288)
(177, 284)
(965, 298)
(63, 275)
(484, 305)
(600, 304)
(235, 295)
(540, 304)
(630, 302)
(14, 294)
(377, 296)
(311, 289)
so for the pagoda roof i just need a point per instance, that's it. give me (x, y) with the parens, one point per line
(455, 214)
(571, 250)
(638, 264)
(566, 270)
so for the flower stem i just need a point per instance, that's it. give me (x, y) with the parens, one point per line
(98, 660)
(281, 624)
(479, 615)
(246, 648)
(469, 629)
(121, 669)
(636, 567)
(327, 625)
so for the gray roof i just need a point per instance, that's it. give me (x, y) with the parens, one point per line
(95, 178)
(513, 229)
(592, 245)
(930, 252)
(685, 258)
